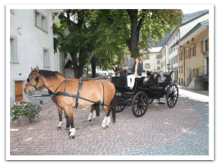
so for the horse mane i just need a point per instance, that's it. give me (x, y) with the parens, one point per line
(49, 74)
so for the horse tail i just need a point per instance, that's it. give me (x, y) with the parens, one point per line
(113, 108)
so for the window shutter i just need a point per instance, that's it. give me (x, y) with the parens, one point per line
(189, 52)
(186, 54)
(208, 44)
(194, 50)
(202, 46)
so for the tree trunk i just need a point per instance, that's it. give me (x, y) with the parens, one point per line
(77, 69)
(133, 41)
(93, 63)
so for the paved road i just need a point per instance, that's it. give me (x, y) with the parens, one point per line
(182, 130)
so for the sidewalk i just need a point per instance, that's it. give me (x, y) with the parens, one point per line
(202, 92)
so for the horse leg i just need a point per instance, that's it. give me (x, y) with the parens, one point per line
(60, 117)
(106, 120)
(92, 113)
(67, 121)
(69, 113)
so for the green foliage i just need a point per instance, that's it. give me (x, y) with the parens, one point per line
(156, 22)
(110, 45)
(107, 32)
(24, 109)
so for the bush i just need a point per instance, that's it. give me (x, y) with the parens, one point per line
(23, 108)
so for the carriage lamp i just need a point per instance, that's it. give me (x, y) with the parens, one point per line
(168, 66)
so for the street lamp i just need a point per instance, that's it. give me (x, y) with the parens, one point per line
(168, 66)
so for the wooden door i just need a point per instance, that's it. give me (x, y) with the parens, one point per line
(18, 90)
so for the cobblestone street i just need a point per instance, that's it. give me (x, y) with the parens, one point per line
(182, 130)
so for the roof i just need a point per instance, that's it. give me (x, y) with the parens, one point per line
(154, 49)
(195, 28)
(187, 18)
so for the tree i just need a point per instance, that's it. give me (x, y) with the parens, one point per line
(75, 37)
(150, 23)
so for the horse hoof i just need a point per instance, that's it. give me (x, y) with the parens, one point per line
(104, 127)
(90, 120)
(59, 127)
(72, 137)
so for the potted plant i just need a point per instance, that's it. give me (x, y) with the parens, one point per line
(23, 108)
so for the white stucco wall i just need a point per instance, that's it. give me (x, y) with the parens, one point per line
(30, 45)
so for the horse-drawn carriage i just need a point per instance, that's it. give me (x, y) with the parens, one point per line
(144, 92)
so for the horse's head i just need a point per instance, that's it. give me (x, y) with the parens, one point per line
(34, 82)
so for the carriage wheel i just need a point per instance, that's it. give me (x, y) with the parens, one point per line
(172, 96)
(150, 101)
(139, 104)
(120, 106)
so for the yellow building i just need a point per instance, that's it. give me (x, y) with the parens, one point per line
(193, 53)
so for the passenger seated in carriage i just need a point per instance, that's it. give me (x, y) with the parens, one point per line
(161, 78)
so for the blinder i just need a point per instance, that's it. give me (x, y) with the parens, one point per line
(36, 79)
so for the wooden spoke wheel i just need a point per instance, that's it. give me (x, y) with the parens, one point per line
(150, 101)
(119, 99)
(139, 104)
(172, 96)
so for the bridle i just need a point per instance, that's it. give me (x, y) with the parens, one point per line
(37, 81)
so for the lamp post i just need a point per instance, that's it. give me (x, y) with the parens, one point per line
(168, 67)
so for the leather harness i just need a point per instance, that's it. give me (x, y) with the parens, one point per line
(77, 96)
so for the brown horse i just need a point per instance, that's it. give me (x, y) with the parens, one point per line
(92, 91)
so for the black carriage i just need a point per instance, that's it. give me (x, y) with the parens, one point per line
(144, 91)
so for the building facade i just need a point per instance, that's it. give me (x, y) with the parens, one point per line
(176, 35)
(152, 60)
(193, 49)
(31, 45)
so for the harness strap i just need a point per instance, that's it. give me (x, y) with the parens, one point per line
(65, 79)
(75, 96)
(78, 91)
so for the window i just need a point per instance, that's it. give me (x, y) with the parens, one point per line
(186, 54)
(189, 52)
(158, 68)
(205, 44)
(158, 61)
(43, 23)
(46, 58)
(13, 49)
(40, 21)
(147, 65)
(158, 56)
(37, 19)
